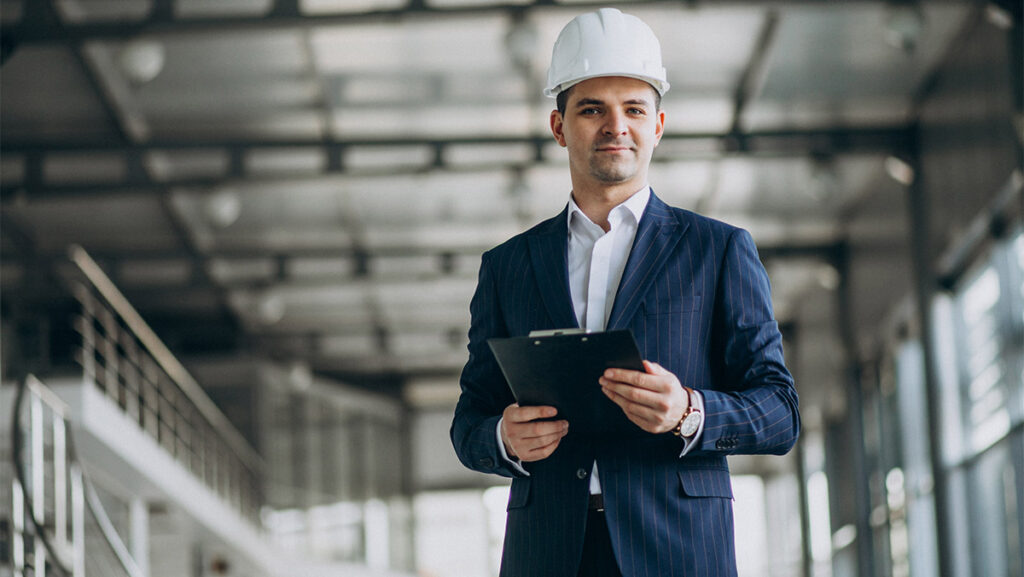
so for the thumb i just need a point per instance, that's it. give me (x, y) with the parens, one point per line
(654, 368)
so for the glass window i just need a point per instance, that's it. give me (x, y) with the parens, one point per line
(987, 322)
(1018, 249)
(1016, 281)
(991, 486)
(984, 392)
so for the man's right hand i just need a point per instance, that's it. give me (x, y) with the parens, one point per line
(527, 438)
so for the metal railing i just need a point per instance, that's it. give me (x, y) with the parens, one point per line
(55, 514)
(131, 365)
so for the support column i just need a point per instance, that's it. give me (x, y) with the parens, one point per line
(924, 284)
(807, 557)
(855, 414)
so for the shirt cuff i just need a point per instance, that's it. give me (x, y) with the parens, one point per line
(688, 444)
(516, 463)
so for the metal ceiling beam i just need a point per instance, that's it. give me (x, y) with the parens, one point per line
(840, 139)
(113, 261)
(779, 143)
(753, 76)
(287, 14)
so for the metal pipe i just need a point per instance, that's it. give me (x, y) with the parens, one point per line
(60, 482)
(38, 467)
(77, 521)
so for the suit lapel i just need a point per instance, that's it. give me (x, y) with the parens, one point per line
(549, 248)
(657, 235)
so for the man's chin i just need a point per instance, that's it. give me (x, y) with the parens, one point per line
(613, 177)
(612, 172)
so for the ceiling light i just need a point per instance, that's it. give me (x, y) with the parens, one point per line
(828, 277)
(142, 60)
(521, 43)
(904, 26)
(998, 16)
(899, 170)
(300, 376)
(270, 309)
(222, 208)
(825, 182)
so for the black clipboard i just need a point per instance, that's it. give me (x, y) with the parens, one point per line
(562, 371)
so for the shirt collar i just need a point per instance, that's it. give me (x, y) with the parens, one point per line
(636, 204)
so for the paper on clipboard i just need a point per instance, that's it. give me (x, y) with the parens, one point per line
(562, 369)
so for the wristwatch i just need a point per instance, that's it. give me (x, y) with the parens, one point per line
(692, 419)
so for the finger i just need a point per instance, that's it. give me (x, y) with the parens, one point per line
(519, 432)
(635, 379)
(640, 413)
(525, 414)
(627, 405)
(535, 429)
(541, 452)
(544, 440)
(655, 369)
(638, 395)
(616, 398)
(645, 417)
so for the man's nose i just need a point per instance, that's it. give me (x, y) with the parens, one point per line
(615, 124)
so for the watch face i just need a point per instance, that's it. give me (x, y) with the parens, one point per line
(690, 425)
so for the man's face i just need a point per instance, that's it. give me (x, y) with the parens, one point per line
(610, 127)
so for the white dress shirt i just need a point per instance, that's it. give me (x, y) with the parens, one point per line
(597, 260)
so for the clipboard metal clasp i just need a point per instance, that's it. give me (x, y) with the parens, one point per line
(556, 332)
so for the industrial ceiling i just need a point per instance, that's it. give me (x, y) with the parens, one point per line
(314, 181)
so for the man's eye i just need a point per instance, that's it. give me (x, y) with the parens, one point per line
(589, 111)
(638, 111)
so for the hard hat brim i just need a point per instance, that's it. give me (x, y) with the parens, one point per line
(661, 86)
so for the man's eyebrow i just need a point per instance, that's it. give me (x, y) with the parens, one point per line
(583, 102)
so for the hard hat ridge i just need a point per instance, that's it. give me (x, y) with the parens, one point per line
(605, 43)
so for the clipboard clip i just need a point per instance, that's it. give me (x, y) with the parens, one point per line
(557, 332)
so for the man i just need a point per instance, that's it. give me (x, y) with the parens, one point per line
(696, 297)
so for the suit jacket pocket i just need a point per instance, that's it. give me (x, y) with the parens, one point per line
(519, 495)
(654, 306)
(705, 483)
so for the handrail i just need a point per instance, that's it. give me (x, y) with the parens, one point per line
(17, 442)
(163, 356)
(92, 500)
(109, 532)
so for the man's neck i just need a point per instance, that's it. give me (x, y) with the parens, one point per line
(597, 203)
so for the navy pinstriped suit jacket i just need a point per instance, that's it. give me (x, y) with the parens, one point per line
(697, 299)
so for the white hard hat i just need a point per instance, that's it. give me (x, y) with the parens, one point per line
(605, 43)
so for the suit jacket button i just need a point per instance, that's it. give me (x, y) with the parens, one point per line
(581, 473)
(487, 462)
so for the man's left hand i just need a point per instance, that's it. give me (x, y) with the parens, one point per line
(654, 400)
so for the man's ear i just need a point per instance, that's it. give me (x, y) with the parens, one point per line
(556, 127)
(659, 130)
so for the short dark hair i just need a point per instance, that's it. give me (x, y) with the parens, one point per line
(562, 100)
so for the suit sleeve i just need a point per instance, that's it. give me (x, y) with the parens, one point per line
(753, 408)
(485, 394)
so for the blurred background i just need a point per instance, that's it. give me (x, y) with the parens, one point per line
(238, 240)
